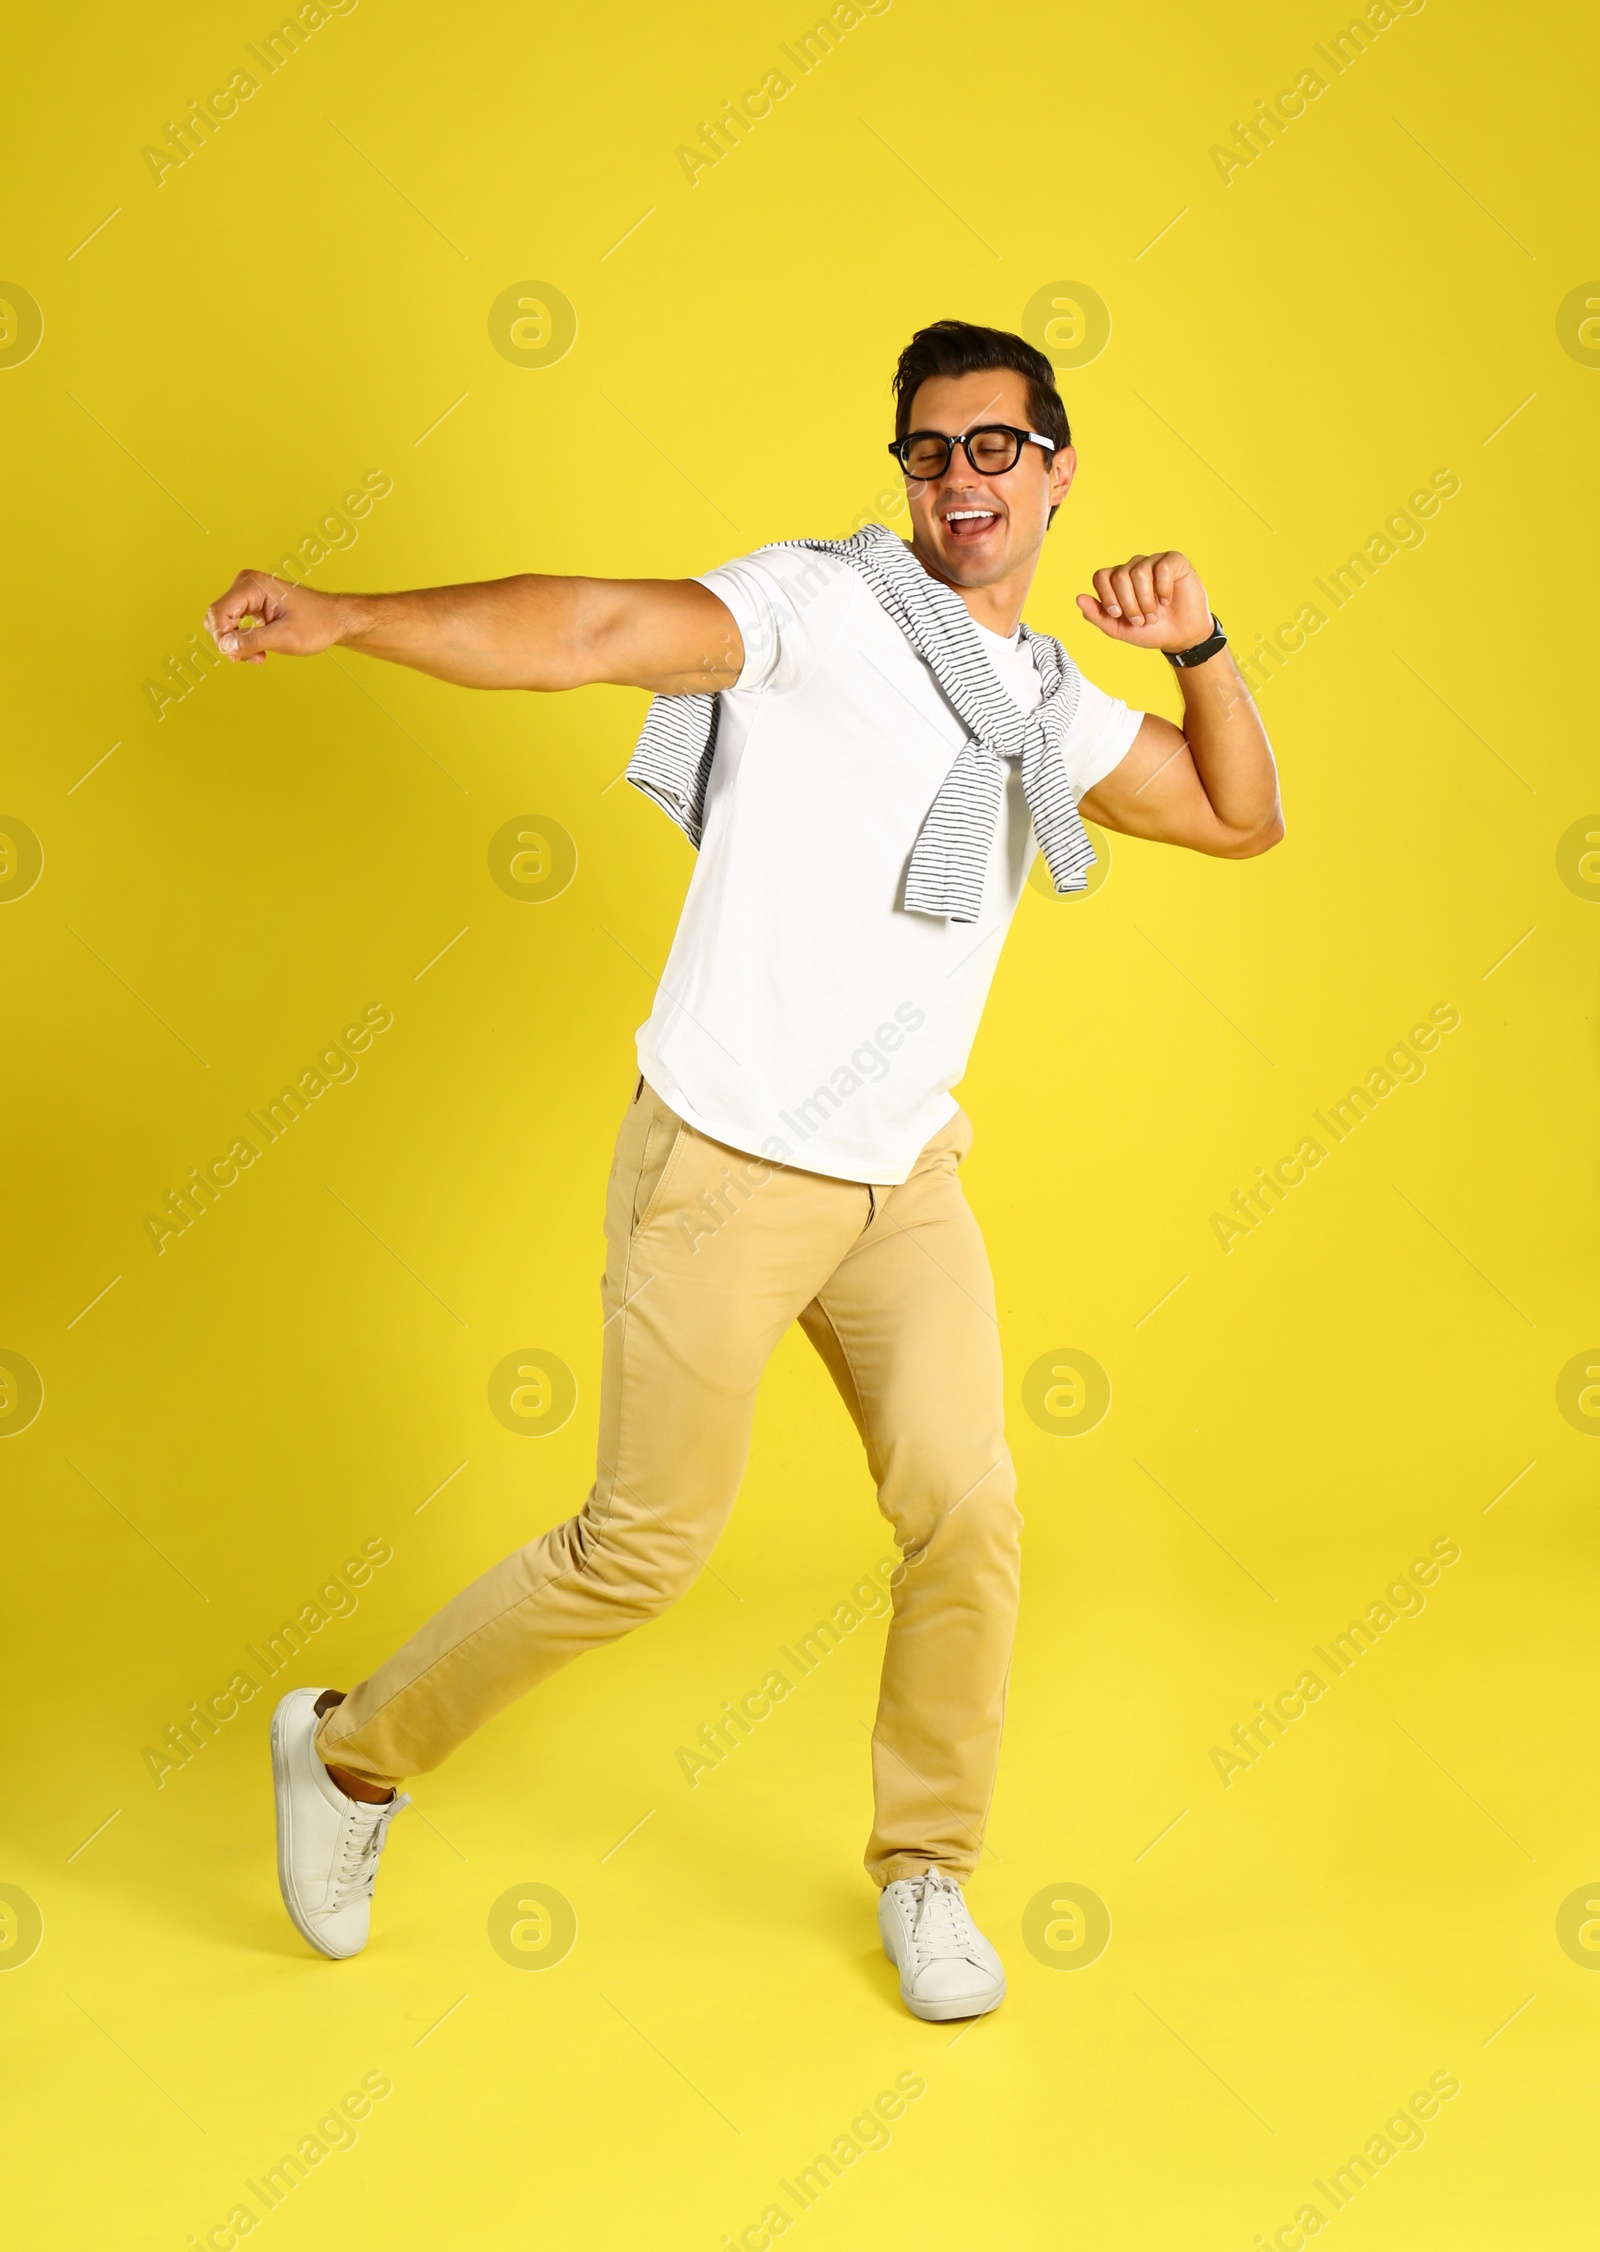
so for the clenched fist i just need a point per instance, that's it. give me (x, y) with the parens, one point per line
(260, 613)
(1152, 601)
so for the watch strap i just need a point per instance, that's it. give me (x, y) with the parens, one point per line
(1215, 640)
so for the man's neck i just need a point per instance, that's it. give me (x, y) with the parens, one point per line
(997, 606)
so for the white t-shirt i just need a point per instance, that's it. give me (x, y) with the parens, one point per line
(803, 1013)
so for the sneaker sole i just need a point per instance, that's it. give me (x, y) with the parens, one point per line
(940, 2012)
(285, 1829)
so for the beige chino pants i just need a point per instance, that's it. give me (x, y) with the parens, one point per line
(712, 1253)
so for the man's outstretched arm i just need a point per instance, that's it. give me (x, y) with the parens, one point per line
(673, 635)
(1211, 785)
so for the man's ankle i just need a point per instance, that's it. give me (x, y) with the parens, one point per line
(358, 1787)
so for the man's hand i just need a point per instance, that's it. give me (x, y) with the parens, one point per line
(260, 613)
(1151, 601)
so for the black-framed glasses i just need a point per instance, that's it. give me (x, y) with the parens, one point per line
(992, 449)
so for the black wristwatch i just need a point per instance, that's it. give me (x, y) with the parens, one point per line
(1214, 641)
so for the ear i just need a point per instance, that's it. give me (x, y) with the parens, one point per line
(1063, 468)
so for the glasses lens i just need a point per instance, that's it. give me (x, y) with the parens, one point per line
(994, 450)
(925, 455)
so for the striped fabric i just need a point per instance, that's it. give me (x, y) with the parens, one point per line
(672, 760)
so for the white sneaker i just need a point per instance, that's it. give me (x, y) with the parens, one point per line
(947, 1968)
(328, 1845)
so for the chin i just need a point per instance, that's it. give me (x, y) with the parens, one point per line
(966, 569)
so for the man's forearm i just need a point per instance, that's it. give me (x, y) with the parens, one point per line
(524, 632)
(1230, 751)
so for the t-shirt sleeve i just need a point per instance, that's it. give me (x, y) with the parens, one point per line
(1099, 738)
(748, 591)
(775, 605)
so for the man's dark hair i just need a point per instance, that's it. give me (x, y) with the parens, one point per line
(960, 348)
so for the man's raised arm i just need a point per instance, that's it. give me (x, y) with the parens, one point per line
(1211, 785)
(673, 635)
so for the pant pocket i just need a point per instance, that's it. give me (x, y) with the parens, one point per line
(663, 1138)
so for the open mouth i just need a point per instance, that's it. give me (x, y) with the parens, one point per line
(964, 525)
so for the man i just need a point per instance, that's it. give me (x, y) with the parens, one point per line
(863, 745)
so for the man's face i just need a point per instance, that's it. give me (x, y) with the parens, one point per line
(977, 530)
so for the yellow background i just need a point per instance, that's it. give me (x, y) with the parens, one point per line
(1370, 1370)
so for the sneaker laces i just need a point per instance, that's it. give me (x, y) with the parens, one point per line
(366, 1827)
(940, 1924)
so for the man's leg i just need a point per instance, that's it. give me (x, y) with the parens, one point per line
(711, 1254)
(907, 1327)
